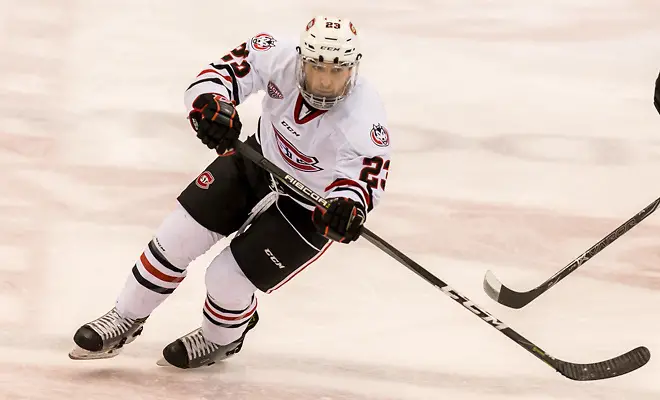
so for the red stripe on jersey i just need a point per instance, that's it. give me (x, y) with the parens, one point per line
(348, 182)
(207, 71)
(212, 71)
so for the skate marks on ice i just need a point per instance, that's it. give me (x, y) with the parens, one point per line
(512, 20)
(102, 384)
(547, 147)
(48, 199)
(43, 374)
(527, 238)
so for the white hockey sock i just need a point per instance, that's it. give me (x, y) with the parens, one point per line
(151, 281)
(222, 325)
(162, 266)
(230, 300)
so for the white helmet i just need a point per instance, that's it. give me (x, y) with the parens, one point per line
(328, 42)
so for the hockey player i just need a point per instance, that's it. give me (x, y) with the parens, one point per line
(322, 124)
(656, 97)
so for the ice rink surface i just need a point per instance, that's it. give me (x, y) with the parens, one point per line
(523, 132)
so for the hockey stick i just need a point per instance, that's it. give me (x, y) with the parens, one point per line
(620, 365)
(510, 298)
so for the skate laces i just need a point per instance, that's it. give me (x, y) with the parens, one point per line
(196, 346)
(111, 325)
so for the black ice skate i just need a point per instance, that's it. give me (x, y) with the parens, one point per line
(105, 336)
(193, 351)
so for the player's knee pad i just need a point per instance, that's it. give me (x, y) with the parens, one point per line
(180, 239)
(226, 283)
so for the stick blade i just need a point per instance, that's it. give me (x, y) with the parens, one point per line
(492, 285)
(611, 368)
(505, 296)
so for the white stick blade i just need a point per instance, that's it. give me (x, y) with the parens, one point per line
(492, 285)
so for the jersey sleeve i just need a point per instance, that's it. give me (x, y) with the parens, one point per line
(363, 163)
(241, 72)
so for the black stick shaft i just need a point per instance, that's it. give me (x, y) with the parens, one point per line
(570, 370)
(510, 298)
(603, 243)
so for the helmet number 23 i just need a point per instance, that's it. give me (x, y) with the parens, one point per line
(335, 25)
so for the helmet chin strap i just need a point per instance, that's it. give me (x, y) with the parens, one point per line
(320, 102)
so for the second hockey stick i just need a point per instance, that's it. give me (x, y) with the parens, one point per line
(620, 365)
(510, 298)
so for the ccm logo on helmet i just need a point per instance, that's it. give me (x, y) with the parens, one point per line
(330, 48)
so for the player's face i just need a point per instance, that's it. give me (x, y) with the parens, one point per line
(325, 79)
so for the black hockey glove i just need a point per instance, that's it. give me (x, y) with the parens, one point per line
(656, 98)
(341, 221)
(216, 122)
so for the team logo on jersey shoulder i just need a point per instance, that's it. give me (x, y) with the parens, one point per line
(295, 157)
(274, 92)
(380, 136)
(263, 42)
(204, 180)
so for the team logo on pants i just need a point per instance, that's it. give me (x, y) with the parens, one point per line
(204, 180)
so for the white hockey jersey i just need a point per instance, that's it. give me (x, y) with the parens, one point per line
(342, 152)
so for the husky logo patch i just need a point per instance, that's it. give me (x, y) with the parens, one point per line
(274, 92)
(204, 180)
(293, 156)
(380, 136)
(263, 42)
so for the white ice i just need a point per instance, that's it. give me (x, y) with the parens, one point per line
(523, 132)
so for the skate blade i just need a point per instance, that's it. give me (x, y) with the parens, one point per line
(81, 354)
(163, 363)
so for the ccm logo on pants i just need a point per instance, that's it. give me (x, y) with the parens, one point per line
(274, 259)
